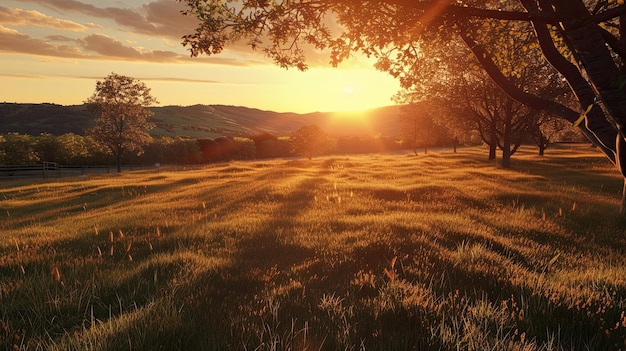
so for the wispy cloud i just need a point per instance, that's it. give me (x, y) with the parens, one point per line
(168, 79)
(93, 78)
(19, 17)
(29, 76)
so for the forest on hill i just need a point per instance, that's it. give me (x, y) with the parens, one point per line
(202, 121)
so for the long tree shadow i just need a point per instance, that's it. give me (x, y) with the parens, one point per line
(262, 259)
(575, 173)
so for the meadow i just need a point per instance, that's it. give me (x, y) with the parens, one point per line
(442, 251)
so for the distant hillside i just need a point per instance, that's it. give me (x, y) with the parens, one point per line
(202, 121)
(35, 119)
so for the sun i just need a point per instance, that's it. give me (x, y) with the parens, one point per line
(348, 89)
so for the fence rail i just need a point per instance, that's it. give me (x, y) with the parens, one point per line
(48, 170)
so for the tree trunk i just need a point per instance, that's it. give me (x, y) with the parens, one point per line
(621, 165)
(492, 151)
(622, 208)
(506, 138)
(493, 141)
(415, 129)
(117, 154)
(506, 158)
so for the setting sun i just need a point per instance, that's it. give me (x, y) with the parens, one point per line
(97, 40)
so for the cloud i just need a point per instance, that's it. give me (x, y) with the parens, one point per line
(29, 76)
(93, 25)
(183, 80)
(108, 46)
(160, 17)
(154, 79)
(100, 46)
(19, 17)
(167, 15)
(73, 6)
(157, 79)
(15, 42)
(96, 47)
(61, 38)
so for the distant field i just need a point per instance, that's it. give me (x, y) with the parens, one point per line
(371, 252)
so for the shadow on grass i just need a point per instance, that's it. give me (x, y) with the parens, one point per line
(225, 305)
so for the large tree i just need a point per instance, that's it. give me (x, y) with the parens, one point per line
(120, 105)
(415, 39)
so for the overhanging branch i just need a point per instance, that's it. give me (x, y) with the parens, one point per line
(509, 88)
(466, 12)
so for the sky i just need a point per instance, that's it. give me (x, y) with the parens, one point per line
(55, 51)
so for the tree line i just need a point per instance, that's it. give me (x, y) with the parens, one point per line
(74, 149)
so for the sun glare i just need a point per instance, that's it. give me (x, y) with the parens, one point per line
(348, 90)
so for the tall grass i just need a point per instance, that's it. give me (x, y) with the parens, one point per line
(365, 252)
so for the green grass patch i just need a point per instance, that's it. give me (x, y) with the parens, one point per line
(360, 252)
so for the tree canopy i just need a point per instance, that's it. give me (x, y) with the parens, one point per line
(421, 41)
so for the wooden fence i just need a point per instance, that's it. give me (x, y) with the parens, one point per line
(48, 170)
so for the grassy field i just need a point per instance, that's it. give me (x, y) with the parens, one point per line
(375, 252)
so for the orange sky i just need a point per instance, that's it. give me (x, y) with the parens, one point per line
(55, 51)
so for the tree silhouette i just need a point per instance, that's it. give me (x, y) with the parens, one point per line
(121, 115)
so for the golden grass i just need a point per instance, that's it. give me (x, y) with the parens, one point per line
(385, 251)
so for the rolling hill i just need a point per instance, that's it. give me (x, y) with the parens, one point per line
(203, 121)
